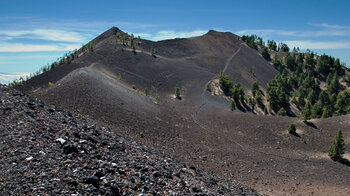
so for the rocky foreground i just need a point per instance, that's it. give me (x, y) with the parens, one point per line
(46, 150)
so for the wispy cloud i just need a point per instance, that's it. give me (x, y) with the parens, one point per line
(170, 34)
(21, 34)
(264, 32)
(297, 33)
(34, 48)
(45, 34)
(6, 78)
(70, 24)
(309, 44)
(331, 26)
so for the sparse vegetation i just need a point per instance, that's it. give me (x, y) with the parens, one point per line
(337, 148)
(237, 92)
(304, 141)
(177, 93)
(66, 59)
(282, 112)
(307, 112)
(232, 105)
(157, 98)
(272, 45)
(256, 92)
(142, 134)
(50, 84)
(283, 47)
(251, 103)
(292, 129)
(225, 83)
(277, 92)
(252, 41)
(255, 88)
(265, 53)
(233, 90)
(300, 79)
(153, 52)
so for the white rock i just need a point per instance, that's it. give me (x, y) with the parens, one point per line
(29, 158)
(61, 141)
(114, 165)
(82, 141)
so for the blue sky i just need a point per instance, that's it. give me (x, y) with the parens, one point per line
(35, 33)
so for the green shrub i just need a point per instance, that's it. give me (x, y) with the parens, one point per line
(292, 129)
(146, 91)
(337, 148)
(157, 98)
(251, 103)
(153, 52)
(265, 53)
(306, 112)
(50, 84)
(225, 83)
(177, 92)
(232, 105)
(282, 112)
(142, 134)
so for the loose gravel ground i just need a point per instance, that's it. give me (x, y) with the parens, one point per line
(46, 150)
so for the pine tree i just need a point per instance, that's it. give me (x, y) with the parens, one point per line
(337, 149)
(265, 53)
(312, 96)
(326, 113)
(272, 45)
(232, 105)
(282, 112)
(306, 112)
(255, 88)
(241, 93)
(334, 85)
(292, 129)
(342, 104)
(316, 110)
(177, 92)
(225, 83)
(251, 102)
(258, 97)
(237, 92)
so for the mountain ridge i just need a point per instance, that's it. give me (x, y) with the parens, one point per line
(108, 84)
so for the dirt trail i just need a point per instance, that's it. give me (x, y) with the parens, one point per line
(204, 101)
(229, 60)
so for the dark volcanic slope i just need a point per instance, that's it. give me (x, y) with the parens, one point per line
(45, 150)
(199, 128)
